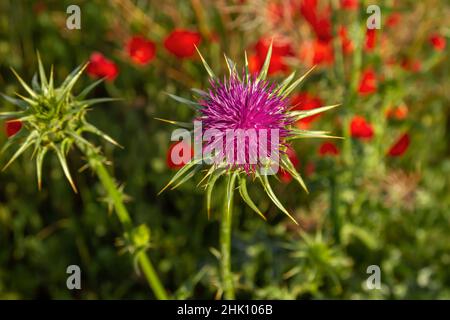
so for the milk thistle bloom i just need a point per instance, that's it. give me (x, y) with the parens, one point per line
(243, 102)
(54, 120)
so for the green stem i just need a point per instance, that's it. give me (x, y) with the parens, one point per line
(334, 214)
(225, 242)
(124, 217)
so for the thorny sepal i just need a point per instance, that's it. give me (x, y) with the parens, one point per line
(54, 119)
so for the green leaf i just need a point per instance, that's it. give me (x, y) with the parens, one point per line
(63, 162)
(199, 92)
(12, 114)
(263, 74)
(206, 65)
(70, 81)
(39, 161)
(247, 71)
(246, 197)
(35, 83)
(301, 114)
(230, 191)
(187, 125)
(302, 134)
(210, 186)
(296, 83)
(231, 66)
(89, 88)
(185, 101)
(90, 128)
(290, 168)
(283, 85)
(42, 76)
(187, 177)
(180, 173)
(90, 102)
(27, 143)
(17, 102)
(266, 185)
(26, 87)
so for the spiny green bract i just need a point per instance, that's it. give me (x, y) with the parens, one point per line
(237, 174)
(53, 119)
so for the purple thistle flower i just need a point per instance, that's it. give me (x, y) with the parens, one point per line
(252, 106)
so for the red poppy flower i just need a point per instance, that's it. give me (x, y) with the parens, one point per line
(371, 40)
(438, 42)
(176, 157)
(101, 67)
(349, 4)
(280, 50)
(283, 174)
(181, 43)
(393, 19)
(12, 127)
(328, 149)
(347, 44)
(317, 53)
(400, 147)
(399, 113)
(414, 65)
(368, 83)
(360, 128)
(320, 21)
(306, 101)
(141, 50)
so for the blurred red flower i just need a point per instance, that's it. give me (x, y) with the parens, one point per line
(349, 4)
(393, 19)
(438, 42)
(101, 67)
(368, 83)
(328, 149)
(181, 42)
(280, 50)
(399, 113)
(176, 158)
(414, 65)
(360, 128)
(283, 174)
(400, 147)
(306, 101)
(320, 21)
(12, 127)
(141, 50)
(371, 40)
(317, 52)
(347, 44)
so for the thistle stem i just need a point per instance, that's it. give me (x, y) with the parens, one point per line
(124, 218)
(225, 247)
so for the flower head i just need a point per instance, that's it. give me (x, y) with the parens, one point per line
(260, 109)
(438, 42)
(246, 105)
(101, 67)
(141, 50)
(52, 119)
(12, 127)
(360, 128)
(182, 43)
(368, 82)
(400, 146)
